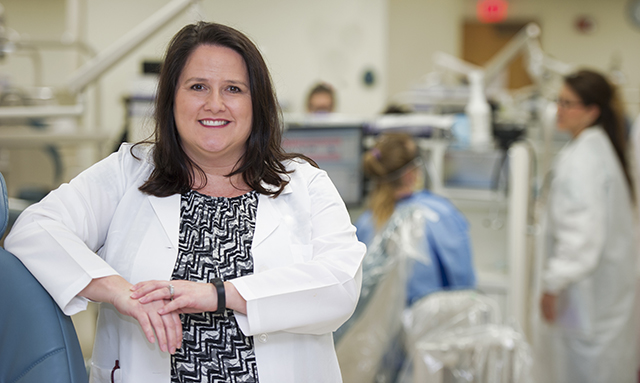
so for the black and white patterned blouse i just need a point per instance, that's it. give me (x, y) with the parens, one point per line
(215, 241)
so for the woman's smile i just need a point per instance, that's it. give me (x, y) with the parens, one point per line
(214, 123)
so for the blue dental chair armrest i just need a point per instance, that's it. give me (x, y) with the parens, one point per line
(38, 342)
(4, 206)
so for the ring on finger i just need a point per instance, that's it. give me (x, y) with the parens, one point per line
(171, 290)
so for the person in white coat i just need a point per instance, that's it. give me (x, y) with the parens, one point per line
(589, 280)
(217, 256)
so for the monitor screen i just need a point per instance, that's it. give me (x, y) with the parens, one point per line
(337, 150)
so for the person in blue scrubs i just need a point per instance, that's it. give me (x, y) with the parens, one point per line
(417, 244)
(393, 164)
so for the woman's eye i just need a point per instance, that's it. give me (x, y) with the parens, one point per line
(197, 87)
(234, 89)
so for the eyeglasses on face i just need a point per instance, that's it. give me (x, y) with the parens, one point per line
(568, 104)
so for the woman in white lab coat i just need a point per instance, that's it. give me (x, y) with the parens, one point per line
(252, 246)
(589, 280)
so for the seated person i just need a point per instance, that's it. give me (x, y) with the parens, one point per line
(393, 164)
(417, 244)
(321, 99)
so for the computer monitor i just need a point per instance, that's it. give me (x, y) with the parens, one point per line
(337, 148)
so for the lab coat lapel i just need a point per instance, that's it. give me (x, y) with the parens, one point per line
(167, 210)
(268, 217)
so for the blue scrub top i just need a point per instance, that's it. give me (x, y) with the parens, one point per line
(451, 265)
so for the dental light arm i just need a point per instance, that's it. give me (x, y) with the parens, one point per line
(454, 64)
(510, 51)
(539, 63)
(110, 56)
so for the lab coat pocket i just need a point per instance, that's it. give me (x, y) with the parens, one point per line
(301, 253)
(105, 375)
(576, 310)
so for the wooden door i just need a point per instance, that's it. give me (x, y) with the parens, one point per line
(480, 42)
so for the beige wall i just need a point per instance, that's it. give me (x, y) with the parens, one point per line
(305, 41)
(614, 37)
(302, 41)
(418, 28)
(335, 40)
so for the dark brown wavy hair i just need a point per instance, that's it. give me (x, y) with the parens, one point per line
(262, 162)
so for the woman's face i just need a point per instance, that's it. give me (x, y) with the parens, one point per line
(212, 110)
(321, 102)
(573, 116)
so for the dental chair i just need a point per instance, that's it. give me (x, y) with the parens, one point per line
(38, 343)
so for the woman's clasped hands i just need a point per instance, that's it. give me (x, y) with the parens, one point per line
(187, 298)
(166, 326)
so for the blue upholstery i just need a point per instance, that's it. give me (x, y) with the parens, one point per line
(4, 206)
(38, 343)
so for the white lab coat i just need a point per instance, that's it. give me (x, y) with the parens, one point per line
(634, 138)
(306, 279)
(592, 262)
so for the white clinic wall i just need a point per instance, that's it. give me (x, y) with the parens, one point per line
(418, 29)
(34, 20)
(306, 41)
(614, 38)
(303, 42)
(336, 41)
(613, 35)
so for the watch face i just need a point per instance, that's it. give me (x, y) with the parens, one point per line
(634, 12)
